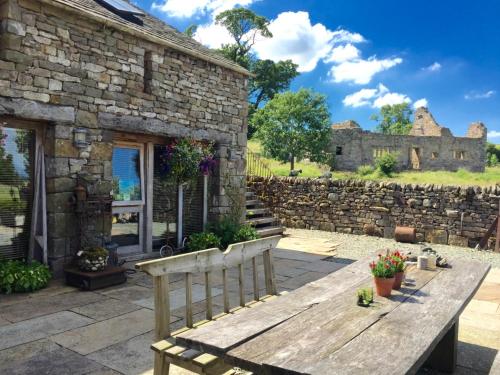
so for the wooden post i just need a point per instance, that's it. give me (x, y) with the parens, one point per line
(255, 279)
(180, 213)
(148, 209)
(225, 291)
(189, 300)
(269, 273)
(497, 242)
(241, 285)
(162, 319)
(205, 202)
(208, 294)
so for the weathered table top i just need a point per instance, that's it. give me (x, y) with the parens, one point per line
(318, 328)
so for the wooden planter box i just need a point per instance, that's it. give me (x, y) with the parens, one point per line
(95, 280)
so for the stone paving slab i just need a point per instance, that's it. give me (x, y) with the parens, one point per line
(41, 327)
(323, 266)
(55, 287)
(106, 309)
(60, 362)
(3, 322)
(130, 357)
(100, 335)
(44, 305)
(297, 282)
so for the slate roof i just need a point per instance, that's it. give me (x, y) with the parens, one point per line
(153, 27)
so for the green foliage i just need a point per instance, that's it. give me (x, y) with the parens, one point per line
(226, 230)
(492, 154)
(294, 126)
(94, 253)
(202, 241)
(365, 296)
(17, 276)
(394, 119)
(365, 170)
(386, 164)
(246, 233)
(191, 30)
(384, 267)
(244, 26)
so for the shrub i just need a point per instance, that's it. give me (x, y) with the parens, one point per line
(226, 230)
(493, 160)
(365, 170)
(94, 253)
(202, 241)
(245, 233)
(386, 163)
(17, 276)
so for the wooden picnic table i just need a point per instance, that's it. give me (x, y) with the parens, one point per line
(319, 329)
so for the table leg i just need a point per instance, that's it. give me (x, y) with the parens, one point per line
(444, 356)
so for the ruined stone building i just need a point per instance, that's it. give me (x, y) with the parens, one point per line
(429, 146)
(88, 92)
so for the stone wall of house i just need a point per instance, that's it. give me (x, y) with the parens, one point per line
(436, 146)
(66, 71)
(441, 214)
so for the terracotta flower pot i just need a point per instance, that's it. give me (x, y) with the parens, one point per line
(383, 286)
(398, 279)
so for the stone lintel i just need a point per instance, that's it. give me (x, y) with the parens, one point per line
(135, 124)
(33, 110)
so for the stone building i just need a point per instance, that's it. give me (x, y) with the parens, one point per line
(429, 146)
(88, 92)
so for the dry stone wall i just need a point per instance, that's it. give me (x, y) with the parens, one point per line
(441, 214)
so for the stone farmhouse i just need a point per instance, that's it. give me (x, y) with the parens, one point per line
(429, 146)
(88, 92)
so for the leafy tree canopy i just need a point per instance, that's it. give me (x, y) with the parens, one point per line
(394, 119)
(244, 26)
(191, 30)
(294, 126)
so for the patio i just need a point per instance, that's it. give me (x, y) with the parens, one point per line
(60, 330)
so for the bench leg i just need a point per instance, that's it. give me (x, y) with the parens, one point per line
(444, 356)
(162, 366)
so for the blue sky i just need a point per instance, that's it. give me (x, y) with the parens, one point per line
(364, 53)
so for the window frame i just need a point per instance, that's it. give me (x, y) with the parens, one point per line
(140, 147)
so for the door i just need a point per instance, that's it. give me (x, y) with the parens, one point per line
(17, 150)
(415, 158)
(128, 197)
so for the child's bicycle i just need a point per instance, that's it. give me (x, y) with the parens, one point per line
(170, 248)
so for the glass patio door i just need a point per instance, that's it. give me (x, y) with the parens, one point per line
(128, 197)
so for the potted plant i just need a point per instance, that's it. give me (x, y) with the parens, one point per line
(383, 271)
(399, 262)
(93, 259)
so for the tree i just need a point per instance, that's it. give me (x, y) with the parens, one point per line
(244, 26)
(191, 30)
(394, 119)
(294, 126)
(492, 154)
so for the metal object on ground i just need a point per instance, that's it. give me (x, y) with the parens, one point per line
(405, 234)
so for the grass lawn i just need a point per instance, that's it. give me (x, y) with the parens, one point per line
(461, 177)
(283, 169)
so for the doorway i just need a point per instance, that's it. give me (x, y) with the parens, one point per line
(128, 197)
(415, 158)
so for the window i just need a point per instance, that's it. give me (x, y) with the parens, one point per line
(380, 151)
(127, 175)
(434, 155)
(16, 181)
(459, 155)
(338, 150)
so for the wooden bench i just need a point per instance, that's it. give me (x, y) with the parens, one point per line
(206, 262)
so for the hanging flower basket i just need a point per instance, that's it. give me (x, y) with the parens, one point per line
(184, 160)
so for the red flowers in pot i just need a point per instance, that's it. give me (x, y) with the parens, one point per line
(388, 272)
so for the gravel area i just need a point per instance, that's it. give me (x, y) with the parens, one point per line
(352, 246)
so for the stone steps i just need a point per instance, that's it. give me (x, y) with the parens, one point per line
(260, 217)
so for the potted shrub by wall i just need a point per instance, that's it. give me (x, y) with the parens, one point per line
(383, 271)
(399, 263)
(93, 259)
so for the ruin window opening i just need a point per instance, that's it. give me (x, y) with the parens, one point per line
(459, 155)
(338, 150)
(434, 155)
(380, 151)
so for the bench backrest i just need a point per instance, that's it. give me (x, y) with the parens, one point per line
(208, 261)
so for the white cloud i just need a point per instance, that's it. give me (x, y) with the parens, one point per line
(212, 35)
(433, 67)
(362, 71)
(297, 39)
(343, 53)
(375, 98)
(420, 103)
(190, 8)
(479, 95)
(493, 134)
